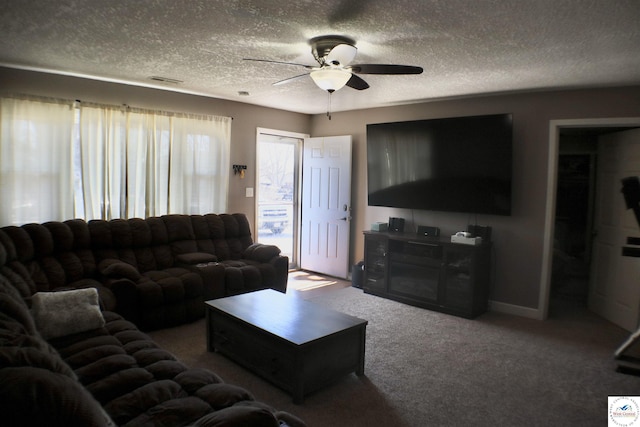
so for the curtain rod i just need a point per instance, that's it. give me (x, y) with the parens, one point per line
(123, 107)
(37, 98)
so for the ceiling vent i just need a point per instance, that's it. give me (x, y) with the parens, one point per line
(167, 80)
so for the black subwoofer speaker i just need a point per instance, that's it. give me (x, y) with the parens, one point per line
(425, 230)
(396, 224)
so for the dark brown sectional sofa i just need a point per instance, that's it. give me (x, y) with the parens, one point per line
(74, 297)
(156, 272)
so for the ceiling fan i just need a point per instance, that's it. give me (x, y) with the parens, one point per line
(334, 55)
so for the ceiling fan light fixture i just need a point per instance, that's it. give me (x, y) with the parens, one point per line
(342, 54)
(330, 79)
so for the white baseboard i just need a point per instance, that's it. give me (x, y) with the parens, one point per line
(517, 310)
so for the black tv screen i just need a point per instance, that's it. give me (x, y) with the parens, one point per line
(460, 164)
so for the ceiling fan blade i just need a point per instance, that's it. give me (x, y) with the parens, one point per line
(290, 79)
(308, 67)
(385, 69)
(358, 83)
(342, 54)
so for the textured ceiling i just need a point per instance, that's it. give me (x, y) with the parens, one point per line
(465, 47)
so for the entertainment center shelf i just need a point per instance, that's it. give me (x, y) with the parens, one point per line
(428, 272)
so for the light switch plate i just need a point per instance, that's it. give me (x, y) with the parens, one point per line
(248, 192)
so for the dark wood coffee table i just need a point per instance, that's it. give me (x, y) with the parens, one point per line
(295, 344)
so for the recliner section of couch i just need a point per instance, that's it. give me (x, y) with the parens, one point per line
(156, 272)
(135, 260)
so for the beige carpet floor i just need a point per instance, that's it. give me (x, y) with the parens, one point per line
(427, 368)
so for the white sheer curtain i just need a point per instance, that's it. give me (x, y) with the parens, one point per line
(112, 162)
(199, 174)
(148, 164)
(143, 163)
(103, 162)
(36, 179)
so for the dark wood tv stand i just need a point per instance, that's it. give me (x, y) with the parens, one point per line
(428, 272)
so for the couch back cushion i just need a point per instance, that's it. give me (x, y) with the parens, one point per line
(237, 234)
(160, 242)
(12, 270)
(224, 235)
(204, 228)
(82, 245)
(72, 249)
(51, 254)
(21, 243)
(182, 239)
(141, 243)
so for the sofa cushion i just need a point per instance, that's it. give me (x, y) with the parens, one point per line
(196, 258)
(222, 395)
(66, 312)
(239, 416)
(38, 397)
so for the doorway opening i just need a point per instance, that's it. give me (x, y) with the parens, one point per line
(575, 193)
(278, 188)
(569, 228)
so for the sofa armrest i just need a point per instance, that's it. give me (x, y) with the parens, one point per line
(260, 252)
(121, 280)
(213, 278)
(127, 300)
(270, 254)
(281, 265)
(116, 269)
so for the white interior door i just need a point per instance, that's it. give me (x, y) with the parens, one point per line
(614, 291)
(326, 205)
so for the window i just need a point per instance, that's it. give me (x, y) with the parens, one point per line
(35, 161)
(62, 160)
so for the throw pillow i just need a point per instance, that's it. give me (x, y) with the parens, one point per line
(66, 312)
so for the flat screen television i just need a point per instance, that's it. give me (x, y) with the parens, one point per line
(460, 164)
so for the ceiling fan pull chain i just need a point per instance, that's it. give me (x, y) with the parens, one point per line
(329, 105)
